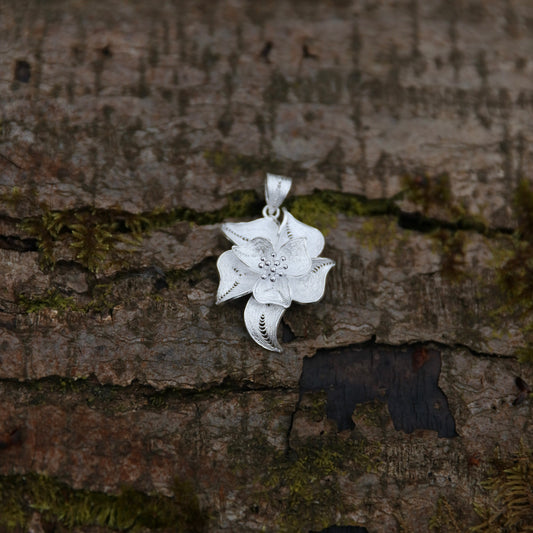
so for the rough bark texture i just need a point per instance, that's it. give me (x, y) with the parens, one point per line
(130, 130)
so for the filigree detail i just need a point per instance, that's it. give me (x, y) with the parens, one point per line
(262, 322)
(276, 262)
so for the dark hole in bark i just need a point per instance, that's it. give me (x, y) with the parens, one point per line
(160, 284)
(405, 377)
(9, 242)
(22, 71)
(266, 51)
(106, 51)
(306, 54)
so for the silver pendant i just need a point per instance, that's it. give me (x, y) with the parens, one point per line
(277, 262)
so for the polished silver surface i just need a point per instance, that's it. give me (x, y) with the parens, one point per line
(277, 263)
(262, 322)
(276, 190)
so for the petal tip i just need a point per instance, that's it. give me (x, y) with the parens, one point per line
(262, 322)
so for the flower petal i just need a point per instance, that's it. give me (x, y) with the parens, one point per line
(298, 260)
(310, 288)
(273, 292)
(243, 232)
(291, 228)
(252, 253)
(236, 279)
(262, 322)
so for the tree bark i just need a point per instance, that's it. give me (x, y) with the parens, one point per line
(130, 131)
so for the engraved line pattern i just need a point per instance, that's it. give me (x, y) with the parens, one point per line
(233, 287)
(227, 229)
(322, 264)
(262, 322)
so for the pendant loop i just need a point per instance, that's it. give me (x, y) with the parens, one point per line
(269, 211)
(276, 190)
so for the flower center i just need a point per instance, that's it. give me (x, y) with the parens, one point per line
(273, 267)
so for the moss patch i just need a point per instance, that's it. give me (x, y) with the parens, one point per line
(314, 211)
(427, 191)
(445, 519)
(321, 208)
(58, 503)
(506, 507)
(434, 194)
(378, 233)
(515, 276)
(510, 506)
(12, 197)
(123, 287)
(52, 299)
(101, 301)
(301, 489)
(94, 234)
(304, 486)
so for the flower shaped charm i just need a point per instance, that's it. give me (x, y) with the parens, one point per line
(277, 263)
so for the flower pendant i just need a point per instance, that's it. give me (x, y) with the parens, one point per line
(277, 262)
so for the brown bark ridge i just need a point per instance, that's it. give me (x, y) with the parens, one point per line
(130, 130)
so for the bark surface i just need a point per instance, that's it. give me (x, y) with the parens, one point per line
(130, 131)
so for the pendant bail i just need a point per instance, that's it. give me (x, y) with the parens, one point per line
(276, 190)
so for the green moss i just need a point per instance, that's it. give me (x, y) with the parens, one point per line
(94, 234)
(314, 211)
(242, 204)
(91, 241)
(85, 231)
(304, 487)
(427, 191)
(52, 299)
(322, 207)
(435, 192)
(313, 404)
(45, 229)
(506, 506)
(301, 487)
(58, 503)
(515, 276)
(510, 491)
(378, 232)
(372, 413)
(12, 198)
(445, 519)
(158, 400)
(56, 300)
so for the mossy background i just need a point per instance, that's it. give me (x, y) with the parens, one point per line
(130, 131)
(61, 505)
